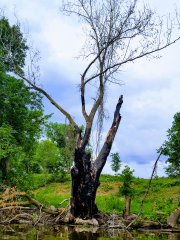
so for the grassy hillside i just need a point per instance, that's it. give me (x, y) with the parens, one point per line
(163, 198)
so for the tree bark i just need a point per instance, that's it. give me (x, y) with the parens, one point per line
(84, 186)
(85, 173)
(127, 207)
(5, 168)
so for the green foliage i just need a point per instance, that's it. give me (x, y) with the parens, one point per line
(8, 145)
(64, 138)
(21, 121)
(21, 109)
(107, 188)
(59, 133)
(126, 178)
(12, 47)
(171, 148)
(115, 162)
(60, 177)
(109, 178)
(48, 157)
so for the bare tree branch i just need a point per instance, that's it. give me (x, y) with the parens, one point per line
(105, 150)
(72, 122)
(131, 59)
(147, 190)
(118, 33)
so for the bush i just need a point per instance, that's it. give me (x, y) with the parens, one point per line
(60, 177)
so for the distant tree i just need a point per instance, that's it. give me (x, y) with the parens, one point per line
(64, 137)
(48, 157)
(171, 148)
(115, 162)
(126, 189)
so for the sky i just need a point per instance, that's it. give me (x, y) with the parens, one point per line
(150, 87)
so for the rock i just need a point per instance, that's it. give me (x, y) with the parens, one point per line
(174, 219)
(53, 208)
(81, 221)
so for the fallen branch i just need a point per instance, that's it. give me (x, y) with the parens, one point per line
(17, 208)
(11, 205)
(39, 217)
(147, 191)
(18, 215)
(30, 201)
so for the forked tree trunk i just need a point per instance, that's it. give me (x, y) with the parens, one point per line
(84, 186)
(85, 174)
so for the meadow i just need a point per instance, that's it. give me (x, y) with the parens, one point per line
(163, 197)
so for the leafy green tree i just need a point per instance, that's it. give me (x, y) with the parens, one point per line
(64, 137)
(171, 148)
(12, 47)
(48, 157)
(21, 110)
(126, 189)
(115, 162)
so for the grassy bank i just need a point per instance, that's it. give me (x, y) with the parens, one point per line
(163, 198)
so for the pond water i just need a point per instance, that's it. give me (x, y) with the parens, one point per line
(78, 233)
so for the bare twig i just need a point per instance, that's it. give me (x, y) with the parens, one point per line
(65, 200)
(147, 190)
(17, 216)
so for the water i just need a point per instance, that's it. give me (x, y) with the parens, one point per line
(78, 233)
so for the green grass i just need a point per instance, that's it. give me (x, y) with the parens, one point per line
(163, 197)
(110, 204)
(53, 194)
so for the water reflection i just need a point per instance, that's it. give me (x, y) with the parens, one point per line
(78, 233)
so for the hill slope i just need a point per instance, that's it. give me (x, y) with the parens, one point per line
(163, 197)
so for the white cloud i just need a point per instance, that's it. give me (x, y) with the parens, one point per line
(151, 90)
(141, 170)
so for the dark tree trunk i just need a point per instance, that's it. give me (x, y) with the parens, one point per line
(85, 173)
(84, 186)
(5, 168)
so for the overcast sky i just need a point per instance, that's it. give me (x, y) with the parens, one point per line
(150, 88)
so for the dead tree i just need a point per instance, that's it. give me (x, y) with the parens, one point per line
(118, 33)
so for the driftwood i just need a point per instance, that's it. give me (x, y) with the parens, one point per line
(174, 219)
(30, 201)
(19, 207)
